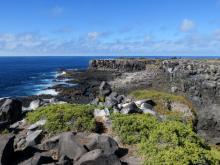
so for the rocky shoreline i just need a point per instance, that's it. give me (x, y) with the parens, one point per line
(108, 84)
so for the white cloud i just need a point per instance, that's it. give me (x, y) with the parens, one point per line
(93, 35)
(90, 44)
(187, 25)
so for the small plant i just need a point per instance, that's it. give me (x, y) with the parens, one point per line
(65, 117)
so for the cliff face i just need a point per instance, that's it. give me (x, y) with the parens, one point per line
(198, 79)
(123, 65)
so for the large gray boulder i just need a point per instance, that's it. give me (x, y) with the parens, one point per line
(6, 149)
(38, 159)
(147, 101)
(11, 110)
(97, 157)
(35, 104)
(101, 113)
(33, 138)
(70, 147)
(110, 102)
(130, 108)
(106, 143)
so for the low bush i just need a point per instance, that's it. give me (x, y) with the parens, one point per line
(65, 117)
(167, 142)
(174, 142)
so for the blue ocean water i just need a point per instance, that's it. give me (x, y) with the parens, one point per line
(23, 76)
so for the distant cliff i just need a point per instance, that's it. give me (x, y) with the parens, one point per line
(123, 65)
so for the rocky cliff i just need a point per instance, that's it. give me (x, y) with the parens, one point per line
(123, 65)
(198, 79)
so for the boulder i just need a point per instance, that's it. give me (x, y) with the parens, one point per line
(70, 147)
(104, 89)
(33, 138)
(110, 102)
(174, 89)
(107, 144)
(146, 106)
(121, 98)
(11, 110)
(148, 101)
(101, 113)
(97, 157)
(50, 143)
(39, 123)
(130, 108)
(38, 159)
(35, 104)
(18, 125)
(95, 101)
(6, 149)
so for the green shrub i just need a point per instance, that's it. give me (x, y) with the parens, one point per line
(65, 117)
(133, 128)
(168, 142)
(174, 142)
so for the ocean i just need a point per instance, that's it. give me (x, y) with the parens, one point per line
(24, 76)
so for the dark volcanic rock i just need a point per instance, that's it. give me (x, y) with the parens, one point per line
(106, 143)
(11, 110)
(130, 108)
(70, 147)
(6, 149)
(38, 159)
(97, 157)
(127, 65)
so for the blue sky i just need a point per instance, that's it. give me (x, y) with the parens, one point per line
(110, 27)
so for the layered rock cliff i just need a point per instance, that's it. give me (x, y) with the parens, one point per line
(198, 79)
(123, 65)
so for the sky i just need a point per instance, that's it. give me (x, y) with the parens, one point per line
(110, 27)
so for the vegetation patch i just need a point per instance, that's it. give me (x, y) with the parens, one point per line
(162, 99)
(166, 142)
(133, 128)
(65, 117)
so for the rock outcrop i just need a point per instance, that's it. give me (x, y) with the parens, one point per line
(123, 65)
(198, 79)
